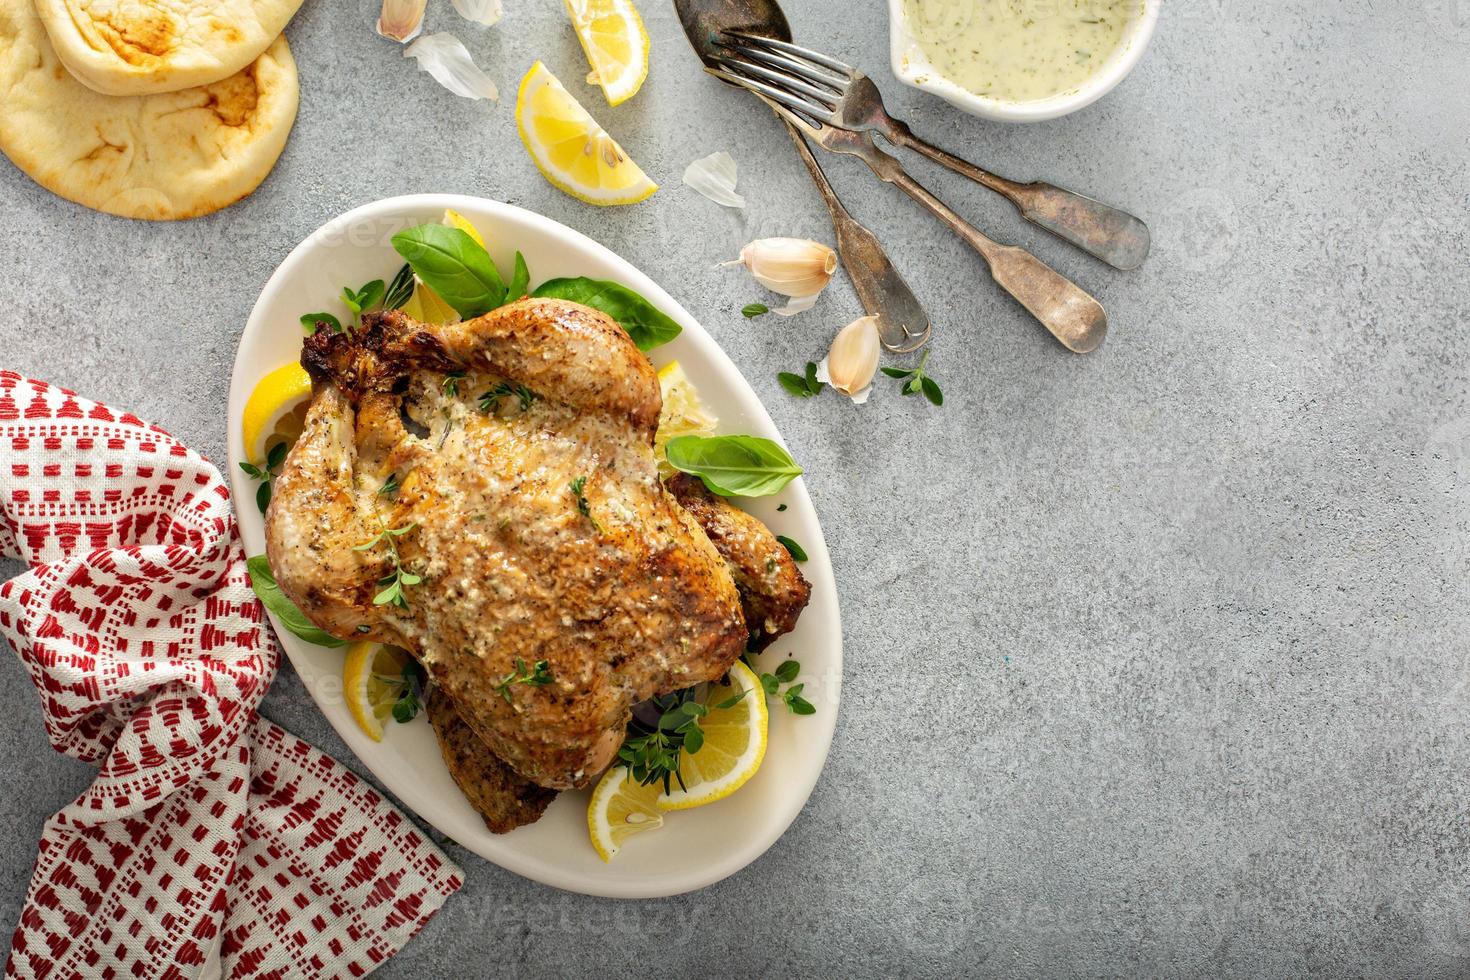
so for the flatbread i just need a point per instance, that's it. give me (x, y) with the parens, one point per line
(159, 157)
(143, 47)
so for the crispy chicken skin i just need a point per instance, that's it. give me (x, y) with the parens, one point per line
(773, 592)
(616, 587)
(504, 799)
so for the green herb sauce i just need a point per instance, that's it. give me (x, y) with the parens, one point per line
(1019, 50)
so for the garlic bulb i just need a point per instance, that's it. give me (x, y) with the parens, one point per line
(853, 360)
(400, 20)
(793, 267)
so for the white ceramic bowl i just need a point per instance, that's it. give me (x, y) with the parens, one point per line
(913, 68)
(694, 848)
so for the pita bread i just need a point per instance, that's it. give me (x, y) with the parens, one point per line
(141, 47)
(159, 157)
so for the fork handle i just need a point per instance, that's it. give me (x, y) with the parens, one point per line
(1073, 316)
(1115, 236)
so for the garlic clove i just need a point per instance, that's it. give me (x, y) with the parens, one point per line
(852, 362)
(401, 20)
(795, 267)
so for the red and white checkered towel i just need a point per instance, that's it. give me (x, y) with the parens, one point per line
(212, 842)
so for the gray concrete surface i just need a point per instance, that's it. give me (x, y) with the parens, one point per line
(1157, 659)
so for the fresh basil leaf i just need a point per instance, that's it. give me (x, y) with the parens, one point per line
(520, 280)
(646, 324)
(733, 466)
(263, 581)
(313, 322)
(400, 290)
(453, 265)
(790, 545)
(794, 383)
(786, 673)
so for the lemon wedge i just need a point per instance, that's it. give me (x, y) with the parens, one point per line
(570, 149)
(620, 808)
(372, 682)
(454, 219)
(615, 43)
(275, 412)
(683, 413)
(734, 744)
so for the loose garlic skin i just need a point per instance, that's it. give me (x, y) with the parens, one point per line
(852, 362)
(795, 267)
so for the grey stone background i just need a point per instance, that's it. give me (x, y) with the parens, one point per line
(1156, 659)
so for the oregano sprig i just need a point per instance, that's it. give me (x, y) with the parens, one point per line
(791, 697)
(803, 385)
(916, 381)
(391, 586)
(266, 474)
(537, 675)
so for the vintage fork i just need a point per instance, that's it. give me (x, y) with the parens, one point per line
(1074, 318)
(837, 94)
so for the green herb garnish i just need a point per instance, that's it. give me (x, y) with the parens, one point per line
(400, 290)
(733, 466)
(752, 310)
(645, 323)
(916, 381)
(312, 322)
(450, 385)
(407, 707)
(263, 582)
(578, 488)
(802, 385)
(392, 584)
(390, 486)
(791, 697)
(453, 265)
(360, 301)
(520, 280)
(266, 474)
(797, 552)
(537, 675)
(490, 400)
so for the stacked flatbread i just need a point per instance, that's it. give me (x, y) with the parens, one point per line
(157, 109)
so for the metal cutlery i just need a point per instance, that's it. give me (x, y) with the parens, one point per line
(829, 91)
(1073, 317)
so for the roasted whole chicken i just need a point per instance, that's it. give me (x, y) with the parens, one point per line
(485, 495)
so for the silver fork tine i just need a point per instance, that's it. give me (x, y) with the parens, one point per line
(815, 57)
(770, 93)
(825, 97)
(792, 66)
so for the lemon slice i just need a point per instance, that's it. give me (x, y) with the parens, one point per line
(734, 744)
(454, 219)
(372, 682)
(683, 414)
(275, 412)
(570, 149)
(615, 43)
(426, 306)
(619, 809)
